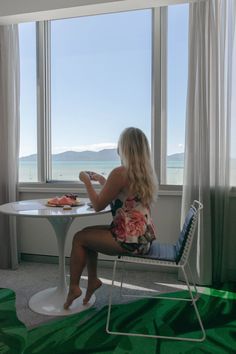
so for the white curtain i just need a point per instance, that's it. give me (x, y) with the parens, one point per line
(208, 121)
(9, 140)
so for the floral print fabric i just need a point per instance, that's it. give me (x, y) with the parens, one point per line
(132, 226)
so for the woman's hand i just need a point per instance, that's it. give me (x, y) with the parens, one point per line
(115, 182)
(96, 177)
(84, 177)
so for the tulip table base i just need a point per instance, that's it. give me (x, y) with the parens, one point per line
(50, 302)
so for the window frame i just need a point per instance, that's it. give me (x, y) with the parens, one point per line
(43, 101)
(159, 92)
(158, 105)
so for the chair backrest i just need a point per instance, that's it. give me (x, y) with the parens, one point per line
(183, 245)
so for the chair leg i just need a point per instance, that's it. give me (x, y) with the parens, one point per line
(122, 278)
(156, 296)
(192, 298)
(195, 306)
(196, 297)
(110, 298)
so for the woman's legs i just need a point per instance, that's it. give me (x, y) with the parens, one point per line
(86, 244)
(93, 282)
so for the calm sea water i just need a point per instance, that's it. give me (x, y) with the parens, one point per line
(69, 170)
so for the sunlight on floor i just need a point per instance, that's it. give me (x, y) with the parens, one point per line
(204, 290)
(175, 286)
(125, 285)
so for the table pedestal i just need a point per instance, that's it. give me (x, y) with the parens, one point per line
(50, 301)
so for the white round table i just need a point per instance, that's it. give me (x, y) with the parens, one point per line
(50, 301)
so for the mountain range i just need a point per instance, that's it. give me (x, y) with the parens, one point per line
(102, 155)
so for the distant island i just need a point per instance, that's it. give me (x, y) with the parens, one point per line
(102, 155)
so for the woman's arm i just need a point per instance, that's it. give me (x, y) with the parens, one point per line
(115, 183)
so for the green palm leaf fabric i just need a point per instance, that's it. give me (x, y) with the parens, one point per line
(13, 333)
(85, 332)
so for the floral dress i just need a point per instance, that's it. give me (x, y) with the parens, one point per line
(132, 226)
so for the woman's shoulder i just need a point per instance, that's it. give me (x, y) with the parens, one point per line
(120, 170)
(120, 174)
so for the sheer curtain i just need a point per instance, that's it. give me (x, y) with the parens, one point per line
(9, 139)
(208, 120)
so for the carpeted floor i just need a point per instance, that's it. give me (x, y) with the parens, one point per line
(32, 277)
(85, 332)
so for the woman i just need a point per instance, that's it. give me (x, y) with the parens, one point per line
(130, 189)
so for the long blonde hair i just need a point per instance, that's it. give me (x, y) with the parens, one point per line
(135, 155)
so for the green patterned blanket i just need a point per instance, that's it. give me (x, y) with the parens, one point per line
(85, 332)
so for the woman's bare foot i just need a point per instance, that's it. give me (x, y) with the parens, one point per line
(92, 287)
(73, 294)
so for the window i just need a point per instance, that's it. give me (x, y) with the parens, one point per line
(177, 76)
(95, 77)
(28, 106)
(100, 84)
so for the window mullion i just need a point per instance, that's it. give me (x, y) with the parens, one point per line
(164, 113)
(48, 151)
(159, 92)
(43, 99)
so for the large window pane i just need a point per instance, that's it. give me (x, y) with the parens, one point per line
(100, 84)
(177, 68)
(28, 109)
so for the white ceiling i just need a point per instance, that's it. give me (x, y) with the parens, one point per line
(16, 11)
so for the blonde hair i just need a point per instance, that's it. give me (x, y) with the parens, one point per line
(135, 155)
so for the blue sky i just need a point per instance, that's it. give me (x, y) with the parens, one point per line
(101, 80)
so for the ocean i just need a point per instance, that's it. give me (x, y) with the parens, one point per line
(69, 170)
